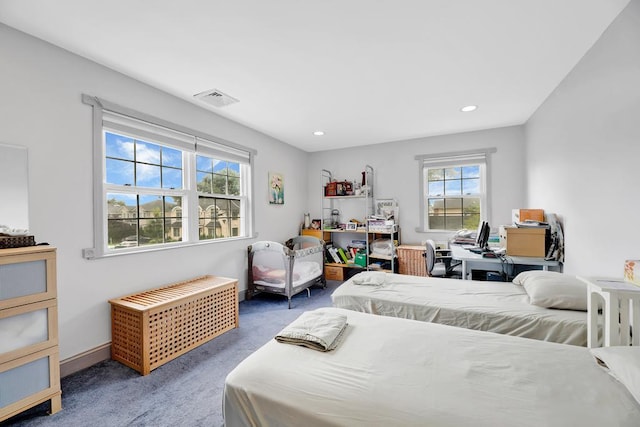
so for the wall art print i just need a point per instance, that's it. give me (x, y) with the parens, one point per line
(276, 188)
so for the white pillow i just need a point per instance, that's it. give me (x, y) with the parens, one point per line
(553, 290)
(624, 364)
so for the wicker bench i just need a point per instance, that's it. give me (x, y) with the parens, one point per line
(151, 328)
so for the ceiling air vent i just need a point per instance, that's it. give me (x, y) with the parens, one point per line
(216, 98)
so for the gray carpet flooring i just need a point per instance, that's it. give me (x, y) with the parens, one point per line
(184, 392)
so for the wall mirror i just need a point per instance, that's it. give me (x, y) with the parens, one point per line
(14, 186)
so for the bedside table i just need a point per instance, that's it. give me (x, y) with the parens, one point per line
(621, 311)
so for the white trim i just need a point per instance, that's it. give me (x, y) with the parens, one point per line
(109, 116)
(481, 157)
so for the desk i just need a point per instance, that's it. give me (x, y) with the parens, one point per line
(475, 261)
(621, 311)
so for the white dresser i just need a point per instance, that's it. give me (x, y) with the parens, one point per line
(29, 357)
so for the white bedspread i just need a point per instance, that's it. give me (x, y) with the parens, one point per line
(501, 307)
(398, 372)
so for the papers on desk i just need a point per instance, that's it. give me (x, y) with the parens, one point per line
(532, 224)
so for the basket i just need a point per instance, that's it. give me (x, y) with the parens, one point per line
(7, 242)
(411, 260)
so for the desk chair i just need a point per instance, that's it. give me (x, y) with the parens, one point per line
(439, 266)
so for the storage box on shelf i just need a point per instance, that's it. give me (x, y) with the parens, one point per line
(29, 355)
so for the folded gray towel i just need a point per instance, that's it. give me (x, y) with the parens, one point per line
(316, 329)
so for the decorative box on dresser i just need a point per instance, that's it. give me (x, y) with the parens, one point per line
(29, 356)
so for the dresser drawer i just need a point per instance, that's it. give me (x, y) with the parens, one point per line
(26, 275)
(27, 328)
(28, 381)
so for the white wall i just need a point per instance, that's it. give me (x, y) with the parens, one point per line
(41, 109)
(583, 151)
(396, 174)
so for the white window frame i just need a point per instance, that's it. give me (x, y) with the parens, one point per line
(110, 117)
(448, 160)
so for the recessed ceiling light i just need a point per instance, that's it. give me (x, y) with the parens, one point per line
(468, 108)
(318, 133)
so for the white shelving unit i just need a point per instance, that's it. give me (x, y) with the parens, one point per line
(334, 271)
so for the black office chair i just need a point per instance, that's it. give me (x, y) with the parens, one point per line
(438, 266)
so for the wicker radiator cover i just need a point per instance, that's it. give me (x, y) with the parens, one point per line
(153, 327)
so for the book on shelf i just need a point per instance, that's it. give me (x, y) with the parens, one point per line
(334, 254)
(343, 255)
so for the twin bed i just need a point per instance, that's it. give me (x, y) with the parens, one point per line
(501, 307)
(400, 367)
(396, 372)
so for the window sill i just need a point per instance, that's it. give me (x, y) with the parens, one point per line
(91, 253)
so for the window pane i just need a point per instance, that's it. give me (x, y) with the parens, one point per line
(122, 205)
(220, 166)
(173, 230)
(471, 186)
(171, 178)
(204, 164)
(148, 176)
(234, 168)
(471, 171)
(223, 228)
(235, 208)
(234, 186)
(453, 223)
(151, 231)
(222, 208)
(452, 188)
(219, 184)
(436, 222)
(453, 214)
(436, 206)
(435, 174)
(147, 152)
(203, 182)
(171, 157)
(122, 233)
(173, 207)
(452, 173)
(436, 188)
(118, 146)
(119, 172)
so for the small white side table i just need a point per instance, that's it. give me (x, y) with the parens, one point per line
(621, 311)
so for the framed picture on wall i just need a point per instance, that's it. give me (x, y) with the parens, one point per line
(276, 188)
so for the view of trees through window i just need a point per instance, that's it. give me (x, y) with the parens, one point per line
(453, 197)
(143, 207)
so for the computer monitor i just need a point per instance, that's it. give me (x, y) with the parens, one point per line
(483, 240)
(479, 233)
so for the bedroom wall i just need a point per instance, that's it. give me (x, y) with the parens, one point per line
(583, 146)
(41, 87)
(397, 175)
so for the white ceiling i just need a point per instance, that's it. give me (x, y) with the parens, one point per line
(362, 71)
